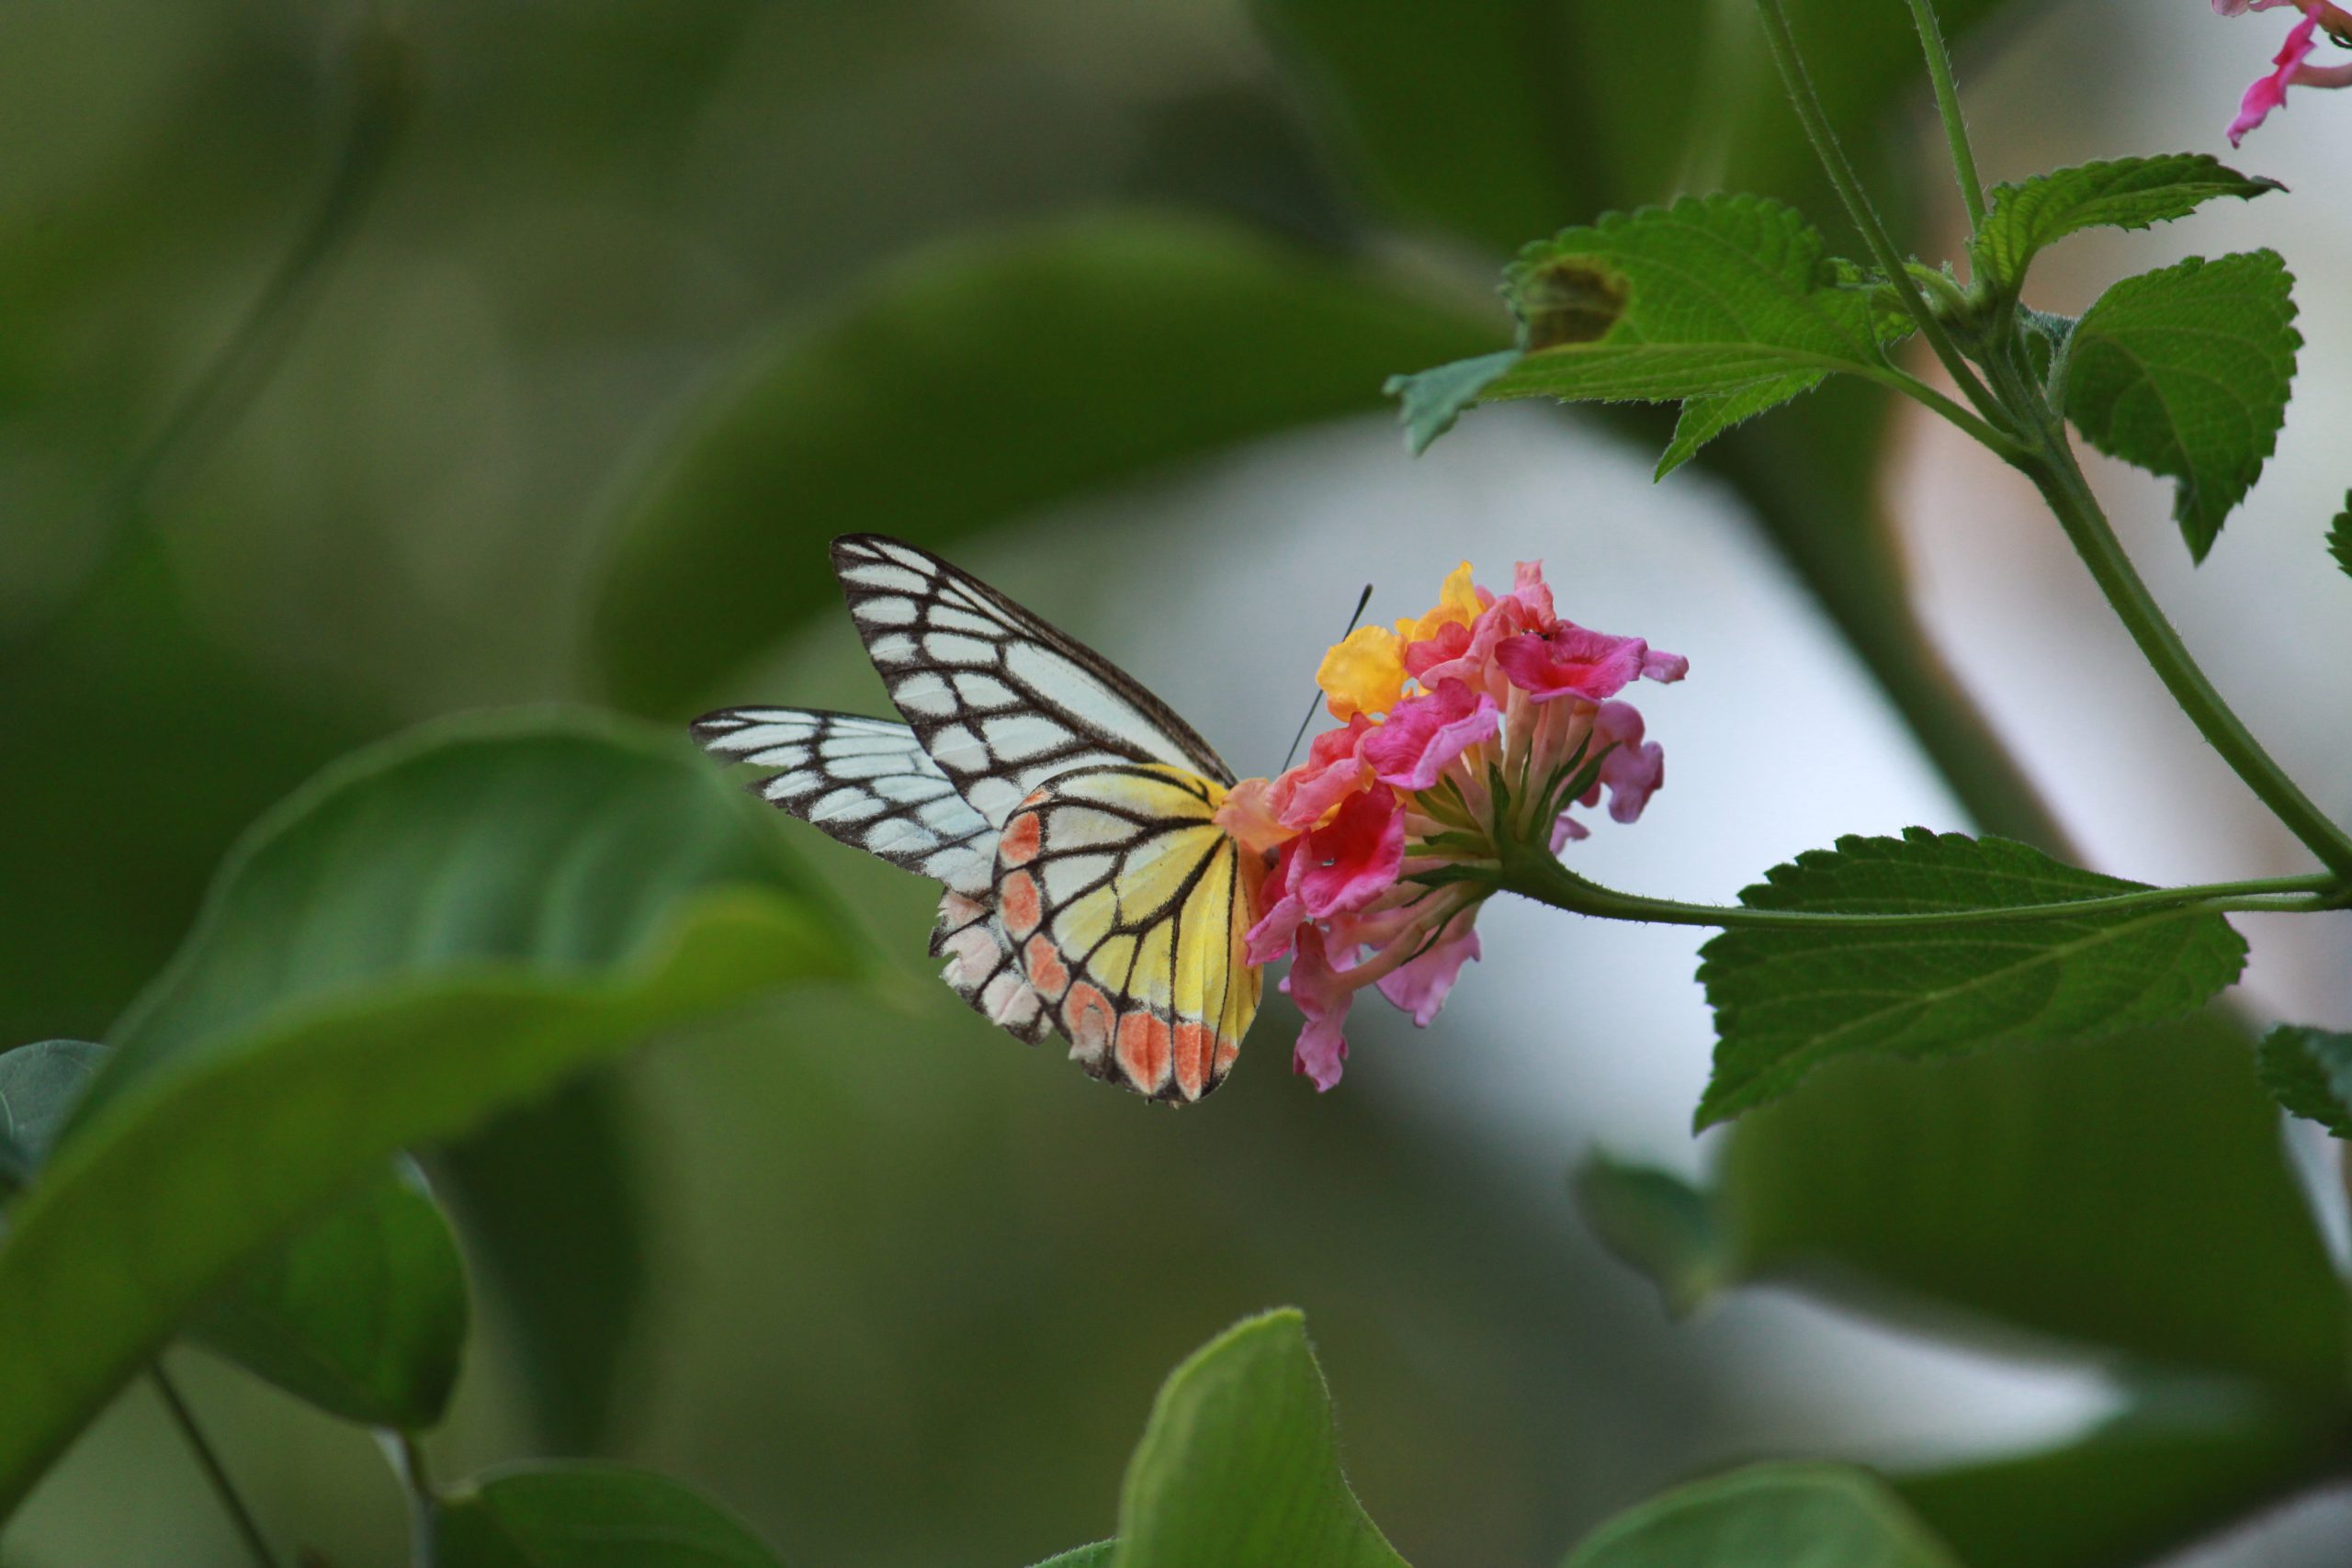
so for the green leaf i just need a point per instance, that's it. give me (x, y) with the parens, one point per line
(2339, 537)
(2131, 1194)
(1240, 1463)
(1786, 1515)
(443, 927)
(1021, 369)
(363, 1315)
(583, 1515)
(2134, 1490)
(39, 1086)
(2309, 1071)
(1658, 1224)
(1786, 1001)
(2184, 373)
(1730, 301)
(1098, 1555)
(2127, 193)
(548, 1196)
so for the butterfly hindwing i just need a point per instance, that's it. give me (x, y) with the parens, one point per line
(1126, 903)
(1001, 700)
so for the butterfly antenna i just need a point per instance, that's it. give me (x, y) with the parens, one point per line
(1312, 702)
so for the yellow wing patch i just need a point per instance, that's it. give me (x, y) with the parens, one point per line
(1127, 907)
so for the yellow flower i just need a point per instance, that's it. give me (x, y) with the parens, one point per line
(1365, 674)
(1457, 606)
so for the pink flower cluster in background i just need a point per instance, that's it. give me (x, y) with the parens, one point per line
(1485, 688)
(2291, 68)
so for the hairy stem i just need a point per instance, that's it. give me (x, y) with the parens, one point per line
(1964, 160)
(1546, 880)
(215, 1473)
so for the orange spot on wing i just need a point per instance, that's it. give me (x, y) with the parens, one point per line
(1016, 896)
(1047, 973)
(1226, 1050)
(1021, 840)
(1145, 1048)
(1195, 1044)
(1086, 1013)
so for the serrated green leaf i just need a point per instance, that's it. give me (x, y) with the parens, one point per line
(1787, 1002)
(2185, 373)
(1658, 1224)
(2127, 193)
(1098, 1555)
(2339, 537)
(596, 882)
(2131, 1491)
(1786, 1515)
(1240, 1463)
(362, 1314)
(1027, 367)
(1730, 303)
(588, 1515)
(2129, 1195)
(2309, 1071)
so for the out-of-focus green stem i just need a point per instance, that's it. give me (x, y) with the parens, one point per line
(215, 1473)
(1964, 160)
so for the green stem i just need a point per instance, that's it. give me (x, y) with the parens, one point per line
(1964, 160)
(2063, 486)
(408, 1460)
(1824, 137)
(1546, 880)
(214, 1470)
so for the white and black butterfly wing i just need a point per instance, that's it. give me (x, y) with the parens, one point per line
(999, 699)
(866, 782)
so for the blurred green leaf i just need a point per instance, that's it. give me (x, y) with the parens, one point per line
(1730, 301)
(1783, 1516)
(1240, 1463)
(1098, 1555)
(440, 928)
(2129, 1194)
(2185, 372)
(549, 1195)
(2309, 1071)
(1658, 1224)
(1787, 1002)
(38, 1085)
(971, 383)
(2127, 193)
(363, 1315)
(2339, 537)
(582, 1516)
(2132, 1491)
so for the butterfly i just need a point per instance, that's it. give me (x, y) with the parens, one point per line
(1065, 812)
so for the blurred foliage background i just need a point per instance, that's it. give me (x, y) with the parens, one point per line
(360, 367)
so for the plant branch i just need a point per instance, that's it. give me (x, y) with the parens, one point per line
(217, 1474)
(1964, 160)
(1824, 137)
(1545, 880)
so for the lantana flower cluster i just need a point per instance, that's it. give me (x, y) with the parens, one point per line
(2293, 67)
(1472, 731)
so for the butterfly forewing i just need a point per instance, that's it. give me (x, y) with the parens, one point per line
(867, 782)
(1001, 700)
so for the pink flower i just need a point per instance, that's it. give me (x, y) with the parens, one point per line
(2290, 67)
(1424, 734)
(1486, 722)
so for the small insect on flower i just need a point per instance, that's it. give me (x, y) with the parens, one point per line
(1472, 733)
(1103, 874)
(2292, 67)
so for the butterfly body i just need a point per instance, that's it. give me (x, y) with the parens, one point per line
(1066, 814)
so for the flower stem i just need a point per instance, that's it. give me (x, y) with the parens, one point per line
(217, 1474)
(1548, 882)
(2060, 479)
(1964, 160)
(1848, 185)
